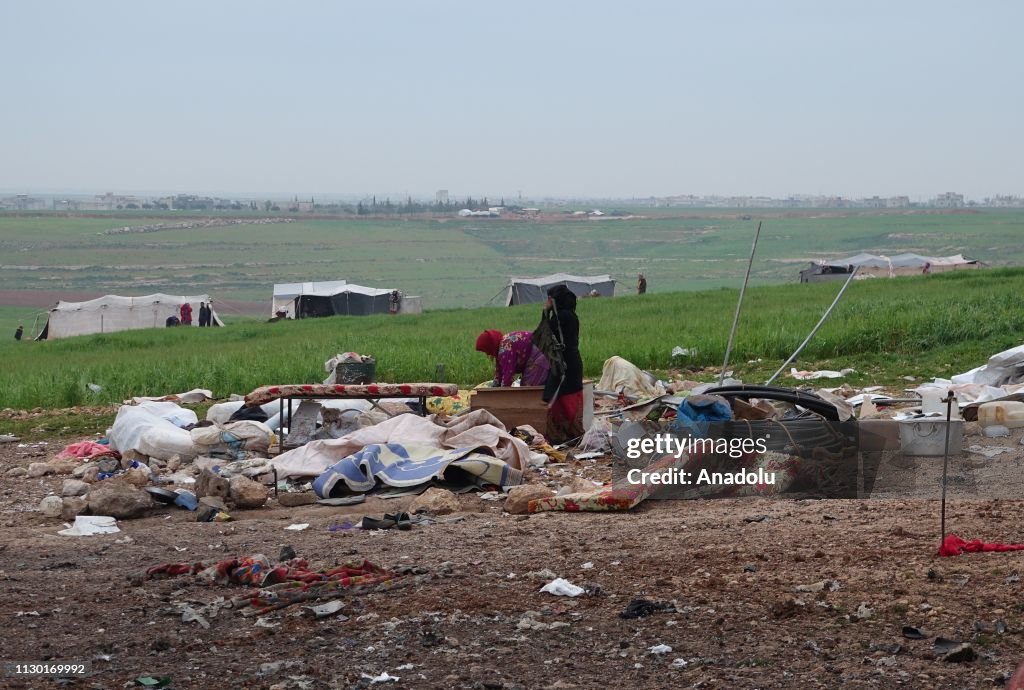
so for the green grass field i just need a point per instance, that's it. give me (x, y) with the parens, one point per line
(886, 329)
(455, 262)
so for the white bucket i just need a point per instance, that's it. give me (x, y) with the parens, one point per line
(928, 436)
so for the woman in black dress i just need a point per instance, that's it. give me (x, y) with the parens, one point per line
(563, 390)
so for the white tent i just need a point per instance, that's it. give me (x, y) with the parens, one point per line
(112, 313)
(534, 290)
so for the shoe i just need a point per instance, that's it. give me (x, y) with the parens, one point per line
(401, 520)
(374, 523)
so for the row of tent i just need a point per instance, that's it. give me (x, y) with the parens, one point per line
(290, 300)
(889, 266)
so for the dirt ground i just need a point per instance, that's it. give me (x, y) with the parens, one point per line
(730, 568)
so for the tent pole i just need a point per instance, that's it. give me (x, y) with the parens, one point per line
(815, 329)
(739, 305)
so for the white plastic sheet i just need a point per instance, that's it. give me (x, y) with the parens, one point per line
(139, 429)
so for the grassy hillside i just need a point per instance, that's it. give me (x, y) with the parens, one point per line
(455, 262)
(886, 329)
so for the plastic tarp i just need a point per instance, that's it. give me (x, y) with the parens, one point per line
(1001, 368)
(534, 290)
(112, 313)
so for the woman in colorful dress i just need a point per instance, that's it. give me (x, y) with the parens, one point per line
(514, 353)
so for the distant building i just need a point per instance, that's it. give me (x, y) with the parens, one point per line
(23, 202)
(949, 200)
(442, 196)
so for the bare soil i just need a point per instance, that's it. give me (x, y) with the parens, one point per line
(729, 566)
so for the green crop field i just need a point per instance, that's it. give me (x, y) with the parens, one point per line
(455, 262)
(886, 329)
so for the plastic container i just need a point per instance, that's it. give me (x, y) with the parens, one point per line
(1008, 413)
(931, 403)
(927, 436)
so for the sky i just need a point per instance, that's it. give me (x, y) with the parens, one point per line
(589, 98)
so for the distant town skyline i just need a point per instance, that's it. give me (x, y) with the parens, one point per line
(445, 202)
(590, 100)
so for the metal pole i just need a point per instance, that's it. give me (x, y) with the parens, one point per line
(739, 304)
(815, 329)
(945, 460)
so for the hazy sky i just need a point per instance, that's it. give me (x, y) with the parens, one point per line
(588, 98)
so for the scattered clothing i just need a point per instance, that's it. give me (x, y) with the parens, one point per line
(622, 376)
(404, 465)
(953, 545)
(88, 450)
(638, 608)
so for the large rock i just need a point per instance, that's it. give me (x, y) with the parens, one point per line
(51, 506)
(435, 502)
(210, 484)
(83, 469)
(137, 476)
(74, 487)
(118, 499)
(246, 493)
(64, 466)
(17, 472)
(39, 469)
(215, 502)
(73, 507)
(290, 500)
(519, 497)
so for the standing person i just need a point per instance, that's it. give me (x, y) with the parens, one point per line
(563, 391)
(18, 332)
(186, 314)
(514, 353)
(641, 284)
(202, 314)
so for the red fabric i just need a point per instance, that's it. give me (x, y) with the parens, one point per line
(488, 342)
(1017, 682)
(953, 545)
(566, 407)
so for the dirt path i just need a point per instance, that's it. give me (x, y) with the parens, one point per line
(731, 575)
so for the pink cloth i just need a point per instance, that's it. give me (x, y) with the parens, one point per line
(953, 545)
(86, 450)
